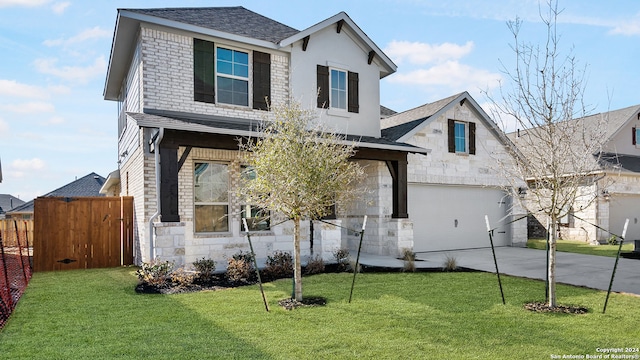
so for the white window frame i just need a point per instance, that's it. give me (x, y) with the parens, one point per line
(332, 101)
(234, 77)
(247, 206)
(211, 203)
(466, 137)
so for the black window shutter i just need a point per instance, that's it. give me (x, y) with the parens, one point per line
(472, 138)
(634, 140)
(451, 142)
(261, 80)
(352, 100)
(323, 86)
(203, 71)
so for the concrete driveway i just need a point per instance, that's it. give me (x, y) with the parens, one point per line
(574, 269)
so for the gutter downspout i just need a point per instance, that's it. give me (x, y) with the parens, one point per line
(152, 250)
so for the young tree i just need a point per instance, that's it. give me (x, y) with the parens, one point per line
(558, 156)
(300, 170)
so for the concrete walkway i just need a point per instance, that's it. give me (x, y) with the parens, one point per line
(574, 269)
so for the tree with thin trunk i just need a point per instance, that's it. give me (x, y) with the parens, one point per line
(299, 170)
(556, 152)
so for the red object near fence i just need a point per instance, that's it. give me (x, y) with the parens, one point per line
(15, 266)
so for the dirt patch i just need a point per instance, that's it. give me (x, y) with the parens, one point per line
(562, 309)
(291, 304)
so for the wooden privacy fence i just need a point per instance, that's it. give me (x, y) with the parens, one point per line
(8, 228)
(82, 232)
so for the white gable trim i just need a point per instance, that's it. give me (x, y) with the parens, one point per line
(386, 61)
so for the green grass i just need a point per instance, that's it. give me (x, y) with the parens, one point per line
(581, 247)
(95, 314)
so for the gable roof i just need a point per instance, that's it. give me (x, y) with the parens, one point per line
(232, 23)
(402, 126)
(8, 202)
(235, 20)
(87, 186)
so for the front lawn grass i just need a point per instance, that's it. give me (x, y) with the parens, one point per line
(95, 314)
(581, 247)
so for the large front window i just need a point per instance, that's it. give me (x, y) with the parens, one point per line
(211, 197)
(338, 89)
(232, 75)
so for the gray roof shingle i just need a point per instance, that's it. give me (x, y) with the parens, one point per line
(233, 20)
(87, 186)
(8, 202)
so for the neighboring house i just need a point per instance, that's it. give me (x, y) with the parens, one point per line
(617, 179)
(190, 81)
(8, 202)
(87, 186)
(458, 183)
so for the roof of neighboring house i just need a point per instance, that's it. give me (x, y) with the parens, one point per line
(386, 112)
(8, 202)
(233, 20)
(87, 186)
(582, 134)
(239, 127)
(233, 23)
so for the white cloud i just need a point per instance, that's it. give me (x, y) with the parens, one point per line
(59, 8)
(422, 53)
(29, 108)
(451, 74)
(629, 28)
(55, 120)
(86, 35)
(16, 89)
(4, 128)
(27, 3)
(72, 73)
(19, 167)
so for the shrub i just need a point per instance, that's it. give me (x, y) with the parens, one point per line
(156, 273)
(240, 267)
(342, 258)
(182, 278)
(279, 265)
(450, 264)
(409, 258)
(205, 269)
(315, 265)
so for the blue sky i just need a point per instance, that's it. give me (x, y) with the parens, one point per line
(55, 125)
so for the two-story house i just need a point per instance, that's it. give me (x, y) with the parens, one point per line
(190, 81)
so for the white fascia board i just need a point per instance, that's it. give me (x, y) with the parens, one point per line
(391, 67)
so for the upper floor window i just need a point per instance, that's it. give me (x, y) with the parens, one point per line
(460, 130)
(223, 75)
(232, 75)
(338, 89)
(338, 84)
(461, 137)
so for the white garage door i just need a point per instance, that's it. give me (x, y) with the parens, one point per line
(453, 217)
(623, 207)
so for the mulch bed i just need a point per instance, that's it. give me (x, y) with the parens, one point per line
(561, 309)
(291, 304)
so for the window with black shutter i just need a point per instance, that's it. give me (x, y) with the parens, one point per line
(323, 86)
(261, 80)
(353, 105)
(461, 137)
(203, 71)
